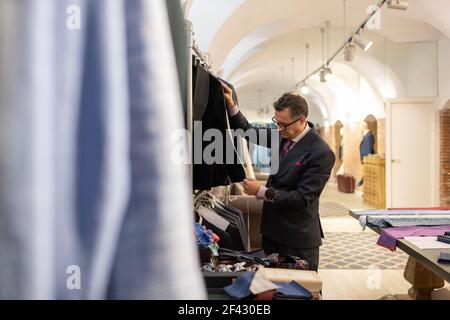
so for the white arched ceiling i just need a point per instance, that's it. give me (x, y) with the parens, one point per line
(432, 12)
(208, 16)
(264, 63)
(244, 39)
(410, 31)
(346, 97)
(254, 17)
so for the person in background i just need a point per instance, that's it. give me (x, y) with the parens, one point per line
(367, 145)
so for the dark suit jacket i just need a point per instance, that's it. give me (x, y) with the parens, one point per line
(293, 218)
(209, 107)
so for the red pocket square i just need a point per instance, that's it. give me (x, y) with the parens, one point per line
(298, 163)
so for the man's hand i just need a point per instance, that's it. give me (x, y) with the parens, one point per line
(251, 186)
(228, 94)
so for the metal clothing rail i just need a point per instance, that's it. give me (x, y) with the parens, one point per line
(189, 96)
(203, 57)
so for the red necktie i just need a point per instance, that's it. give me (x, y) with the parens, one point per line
(286, 147)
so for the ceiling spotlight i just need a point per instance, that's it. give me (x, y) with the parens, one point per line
(304, 89)
(349, 52)
(362, 44)
(398, 4)
(325, 74)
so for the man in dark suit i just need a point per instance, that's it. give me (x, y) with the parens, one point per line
(290, 222)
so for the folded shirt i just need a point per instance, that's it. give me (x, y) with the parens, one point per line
(403, 211)
(291, 290)
(403, 220)
(240, 288)
(389, 236)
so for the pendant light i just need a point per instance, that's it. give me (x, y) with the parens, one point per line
(304, 89)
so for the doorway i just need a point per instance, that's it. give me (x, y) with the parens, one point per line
(411, 153)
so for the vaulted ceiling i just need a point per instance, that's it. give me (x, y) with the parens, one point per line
(259, 45)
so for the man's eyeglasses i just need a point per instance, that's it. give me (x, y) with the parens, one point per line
(284, 126)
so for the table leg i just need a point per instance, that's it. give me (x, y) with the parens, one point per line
(423, 280)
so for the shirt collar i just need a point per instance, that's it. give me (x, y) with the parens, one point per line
(301, 135)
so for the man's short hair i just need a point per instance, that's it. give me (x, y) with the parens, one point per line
(298, 106)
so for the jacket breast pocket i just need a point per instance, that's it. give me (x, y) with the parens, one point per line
(294, 174)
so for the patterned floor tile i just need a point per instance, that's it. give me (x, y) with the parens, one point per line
(332, 209)
(358, 250)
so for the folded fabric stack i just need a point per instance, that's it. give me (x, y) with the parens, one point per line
(398, 223)
(291, 291)
(240, 288)
(385, 218)
(389, 236)
(260, 285)
(444, 238)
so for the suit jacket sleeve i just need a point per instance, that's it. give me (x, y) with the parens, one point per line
(310, 185)
(263, 135)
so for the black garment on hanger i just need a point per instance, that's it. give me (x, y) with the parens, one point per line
(229, 238)
(240, 219)
(237, 235)
(209, 107)
(200, 91)
(235, 97)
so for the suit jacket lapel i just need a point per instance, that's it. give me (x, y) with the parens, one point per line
(297, 150)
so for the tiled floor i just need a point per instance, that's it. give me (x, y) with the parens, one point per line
(352, 266)
(345, 245)
(347, 200)
(332, 209)
(358, 250)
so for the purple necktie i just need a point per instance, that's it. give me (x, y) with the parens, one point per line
(286, 147)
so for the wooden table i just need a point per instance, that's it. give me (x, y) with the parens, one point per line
(422, 270)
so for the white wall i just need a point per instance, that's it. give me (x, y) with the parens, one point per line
(444, 71)
(415, 65)
(422, 70)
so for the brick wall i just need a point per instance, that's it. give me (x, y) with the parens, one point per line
(445, 157)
